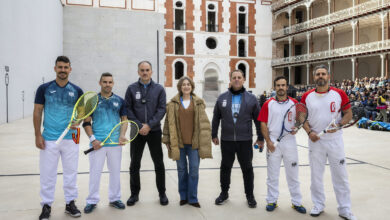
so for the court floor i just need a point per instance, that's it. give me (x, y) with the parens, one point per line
(368, 162)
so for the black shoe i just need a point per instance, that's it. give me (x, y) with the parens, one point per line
(221, 198)
(72, 210)
(251, 201)
(183, 202)
(163, 199)
(196, 204)
(45, 214)
(132, 200)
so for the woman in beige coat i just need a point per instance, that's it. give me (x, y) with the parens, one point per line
(187, 133)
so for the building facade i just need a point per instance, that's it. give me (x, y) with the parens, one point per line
(207, 39)
(350, 36)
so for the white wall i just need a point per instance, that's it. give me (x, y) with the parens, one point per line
(30, 41)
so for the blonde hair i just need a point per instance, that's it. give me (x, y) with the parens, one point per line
(180, 84)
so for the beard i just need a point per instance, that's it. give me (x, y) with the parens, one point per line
(320, 82)
(62, 75)
(281, 92)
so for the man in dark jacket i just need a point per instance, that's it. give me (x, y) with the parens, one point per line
(236, 108)
(145, 103)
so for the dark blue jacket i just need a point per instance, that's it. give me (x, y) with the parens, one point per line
(152, 110)
(242, 129)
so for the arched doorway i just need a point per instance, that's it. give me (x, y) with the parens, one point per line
(211, 87)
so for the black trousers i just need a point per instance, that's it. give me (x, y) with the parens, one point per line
(244, 152)
(136, 150)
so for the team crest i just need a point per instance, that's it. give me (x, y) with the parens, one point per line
(115, 104)
(71, 94)
(138, 95)
(224, 102)
(332, 107)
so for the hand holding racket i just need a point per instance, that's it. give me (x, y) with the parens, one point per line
(117, 135)
(83, 108)
(351, 116)
(293, 120)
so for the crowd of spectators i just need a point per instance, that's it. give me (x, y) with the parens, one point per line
(372, 94)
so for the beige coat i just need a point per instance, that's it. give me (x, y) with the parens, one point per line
(201, 139)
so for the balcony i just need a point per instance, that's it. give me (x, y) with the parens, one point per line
(279, 4)
(211, 28)
(358, 50)
(179, 26)
(337, 17)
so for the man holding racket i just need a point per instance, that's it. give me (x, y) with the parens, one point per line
(56, 99)
(273, 126)
(109, 112)
(323, 104)
(145, 103)
(236, 108)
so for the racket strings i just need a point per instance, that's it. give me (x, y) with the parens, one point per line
(301, 115)
(133, 128)
(86, 105)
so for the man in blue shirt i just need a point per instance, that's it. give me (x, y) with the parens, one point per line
(57, 99)
(236, 109)
(109, 112)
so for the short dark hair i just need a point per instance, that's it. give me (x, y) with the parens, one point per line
(145, 61)
(104, 75)
(64, 59)
(322, 66)
(237, 70)
(279, 78)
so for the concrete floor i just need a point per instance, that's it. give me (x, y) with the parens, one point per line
(368, 166)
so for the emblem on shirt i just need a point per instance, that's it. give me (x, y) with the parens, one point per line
(53, 91)
(138, 95)
(224, 102)
(332, 107)
(289, 116)
(115, 104)
(71, 94)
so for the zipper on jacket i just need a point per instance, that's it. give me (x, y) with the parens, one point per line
(234, 130)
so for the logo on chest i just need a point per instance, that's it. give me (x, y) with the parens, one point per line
(116, 104)
(224, 102)
(71, 94)
(332, 107)
(138, 95)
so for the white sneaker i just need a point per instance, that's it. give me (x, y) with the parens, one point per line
(349, 216)
(315, 212)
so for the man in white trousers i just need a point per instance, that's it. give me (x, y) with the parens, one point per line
(271, 117)
(109, 112)
(323, 104)
(56, 99)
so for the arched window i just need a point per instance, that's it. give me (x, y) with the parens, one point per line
(242, 27)
(211, 19)
(179, 16)
(241, 48)
(179, 46)
(179, 70)
(242, 67)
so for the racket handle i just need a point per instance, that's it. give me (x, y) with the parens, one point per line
(276, 143)
(321, 133)
(62, 136)
(88, 151)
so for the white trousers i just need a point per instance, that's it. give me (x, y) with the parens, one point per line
(96, 164)
(333, 150)
(48, 163)
(288, 152)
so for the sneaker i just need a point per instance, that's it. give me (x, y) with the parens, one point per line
(271, 206)
(315, 212)
(118, 204)
(164, 199)
(72, 210)
(89, 208)
(350, 216)
(221, 198)
(132, 200)
(251, 201)
(299, 209)
(45, 214)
